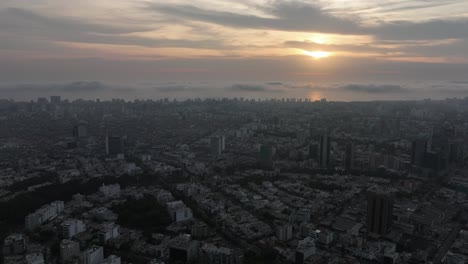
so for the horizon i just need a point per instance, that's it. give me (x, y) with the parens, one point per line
(393, 43)
(340, 92)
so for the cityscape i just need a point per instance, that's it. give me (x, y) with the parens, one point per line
(234, 132)
(234, 181)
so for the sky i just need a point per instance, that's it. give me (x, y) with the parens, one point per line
(359, 49)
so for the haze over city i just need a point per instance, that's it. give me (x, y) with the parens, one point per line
(233, 132)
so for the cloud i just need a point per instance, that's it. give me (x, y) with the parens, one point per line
(18, 19)
(68, 87)
(308, 45)
(287, 16)
(304, 17)
(251, 88)
(248, 88)
(171, 89)
(18, 25)
(373, 89)
(84, 86)
(432, 29)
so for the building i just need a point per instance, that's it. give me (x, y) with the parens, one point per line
(324, 154)
(14, 244)
(379, 211)
(313, 151)
(108, 231)
(55, 99)
(69, 250)
(72, 227)
(110, 190)
(112, 259)
(266, 156)
(183, 249)
(164, 197)
(418, 152)
(305, 249)
(59, 206)
(114, 145)
(35, 258)
(301, 215)
(453, 258)
(212, 254)
(216, 146)
(93, 255)
(200, 230)
(349, 157)
(223, 142)
(178, 211)
(284, 232)
(324, 237)
(43, 214)
(81, 129)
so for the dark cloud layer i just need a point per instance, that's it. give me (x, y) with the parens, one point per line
(297, 16)
(21, 25)
(373, 88)
(290, 16)
(251, 88)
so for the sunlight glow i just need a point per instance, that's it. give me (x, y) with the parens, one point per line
(317, 54)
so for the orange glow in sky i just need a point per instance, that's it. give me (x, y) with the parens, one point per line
(318, 54)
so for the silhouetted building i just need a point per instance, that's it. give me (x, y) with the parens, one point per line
(379, 212)
(212, 254)
(349, 157)
(54, 99)
(456, 152)
(216, 146)
(266, 156)
(324, 156)
(433, 160)
(68, 250)
(418, 152)
(80, 130)
(183, 249)
(113, 145)
(313, 151)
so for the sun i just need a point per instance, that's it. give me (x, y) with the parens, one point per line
(318, 54)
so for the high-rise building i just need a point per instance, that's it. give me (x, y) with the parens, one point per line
(433, 160)
(183, 249)
(113, 145)
(212, 254)
(305, 249)
(55, 99)
(108, 231)
(456, 152)
(418, 152)
(284, 232)
(68, 250)
(379, 211)
(266, 156)
(216, 146)
(349, 157)
(324, 154)
(14, 244)
(112, 259)
(313, 151)
(81, 129)
(223, 143)
(178, 211)
(72, 227)
(93, 255)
